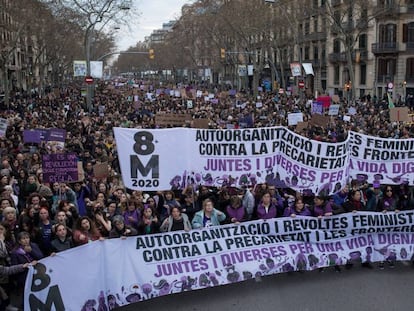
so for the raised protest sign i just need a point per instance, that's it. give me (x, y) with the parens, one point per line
(55, 139)
(200, 123)
(60, 167)
(319, 120)
(333, 110)
(294, 118)
(149, 266)
(3, 127)
(317, 108)
(172, 119)
(400, 114)
(32, 136)
(100, 170)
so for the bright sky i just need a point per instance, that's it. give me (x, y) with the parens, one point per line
(153, 14)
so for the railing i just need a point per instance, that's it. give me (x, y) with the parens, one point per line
(409, 45)
(384, 47)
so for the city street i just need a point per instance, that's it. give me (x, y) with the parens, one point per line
(358, 289)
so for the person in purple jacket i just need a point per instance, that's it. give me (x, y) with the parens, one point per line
(321, 207)
(266, 208)
(235, 211)
(298, 209)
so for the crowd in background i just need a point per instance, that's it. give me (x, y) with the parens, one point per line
(39, 218)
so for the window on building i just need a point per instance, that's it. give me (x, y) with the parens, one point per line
(388, 33)
(307, 52)
(336, 74)
(337, 46)
(362, 42)
(410, 32)
(409, 71)
(315, 24)
(387, 67)
(307, 27)
(315, 52)
(363, 74)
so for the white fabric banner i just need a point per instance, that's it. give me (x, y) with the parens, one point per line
(308, 68)
(174, 158)
(104, 275)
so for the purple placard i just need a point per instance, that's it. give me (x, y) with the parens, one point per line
(56, 135)
(60, 167)
(32, 136)
(317, 108)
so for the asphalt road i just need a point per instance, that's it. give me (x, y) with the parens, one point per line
(358, 289)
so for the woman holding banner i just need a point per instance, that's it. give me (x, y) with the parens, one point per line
(85, 231)
(149, 222)
(298, 209)
(208, 216)
(354, 203)
(266, 208)
(176, 221)
(321, 207)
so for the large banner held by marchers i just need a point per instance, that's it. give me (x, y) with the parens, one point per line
(164, 159)
(103, 275)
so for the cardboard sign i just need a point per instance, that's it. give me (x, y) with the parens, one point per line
(172, 119)
(319, 120)
(400, 114)
(100, 170)
(200, 123)
(300, 126)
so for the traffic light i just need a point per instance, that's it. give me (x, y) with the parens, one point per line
(151, 53)
(222, 53)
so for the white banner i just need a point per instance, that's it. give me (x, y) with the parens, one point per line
(79, 68)
(381, 160)
(104, 275)
(308, 68)
(174, 158)
(97, 69)
(164, 159)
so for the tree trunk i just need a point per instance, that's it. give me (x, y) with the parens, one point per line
(351, 71)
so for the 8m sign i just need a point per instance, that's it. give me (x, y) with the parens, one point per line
(145, 168)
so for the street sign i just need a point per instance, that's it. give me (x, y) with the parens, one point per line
(301, 84)
(390, 85)
(88, 80)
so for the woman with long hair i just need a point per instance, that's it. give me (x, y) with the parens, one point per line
(85, 231)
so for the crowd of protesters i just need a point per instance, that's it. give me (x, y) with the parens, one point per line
(39, 218)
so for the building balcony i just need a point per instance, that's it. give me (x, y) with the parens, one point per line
(337, 57)
(409, 46)
(384, 47)
(384, 79)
